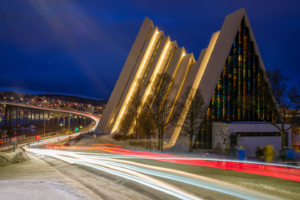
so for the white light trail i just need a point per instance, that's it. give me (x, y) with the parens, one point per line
(142, 173)
(71, 157)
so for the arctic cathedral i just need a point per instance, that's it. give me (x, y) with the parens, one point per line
(229, 69)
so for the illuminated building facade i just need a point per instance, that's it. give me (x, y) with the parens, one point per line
(241, 76)
(226, 71)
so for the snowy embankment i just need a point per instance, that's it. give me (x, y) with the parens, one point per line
(12, 158)
(38, 189)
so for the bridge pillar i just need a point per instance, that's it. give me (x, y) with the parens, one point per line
(58, 120)
(69, 120)
(26, 122)
(32, 116)
(73, 121)
(19, 115)
(25, 117)
(44, 117)
(77, 119)
(64, 121)
(44, 122)
(50, 119)
(9, 121)
(15, 108)
(5, 110)
(16, 116)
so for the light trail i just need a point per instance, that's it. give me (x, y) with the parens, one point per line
(142, 173)
(75, 158)
(265, 169)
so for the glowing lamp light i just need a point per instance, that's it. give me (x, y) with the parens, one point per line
(133, 87)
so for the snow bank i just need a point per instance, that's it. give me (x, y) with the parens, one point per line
(12, 158)
(38, 189)
(178, 147)
(271, 189)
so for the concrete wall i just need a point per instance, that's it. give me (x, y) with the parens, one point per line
(250, 142)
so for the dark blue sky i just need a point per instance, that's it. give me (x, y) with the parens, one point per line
(79, 47)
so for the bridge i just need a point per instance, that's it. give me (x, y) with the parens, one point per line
(23, 112)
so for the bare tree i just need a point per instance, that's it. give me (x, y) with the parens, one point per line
(192, 103)
(162, 105)
(146, 123)
(223, 132)
(126, 123)
(131, 119)
(281, 101)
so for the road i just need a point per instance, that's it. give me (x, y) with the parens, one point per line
(166, 176)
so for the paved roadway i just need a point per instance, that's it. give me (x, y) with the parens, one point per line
(160, 176)
(92, 162)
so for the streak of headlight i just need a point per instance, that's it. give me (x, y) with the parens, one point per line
(166, 157)
(158, 156)
(258, 168)
(134, 176)
(188, 179)
(185, 180)
(191, 180)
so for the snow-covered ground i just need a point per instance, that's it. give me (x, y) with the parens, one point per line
(38, 189)
(42, 178)
(13, 157)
